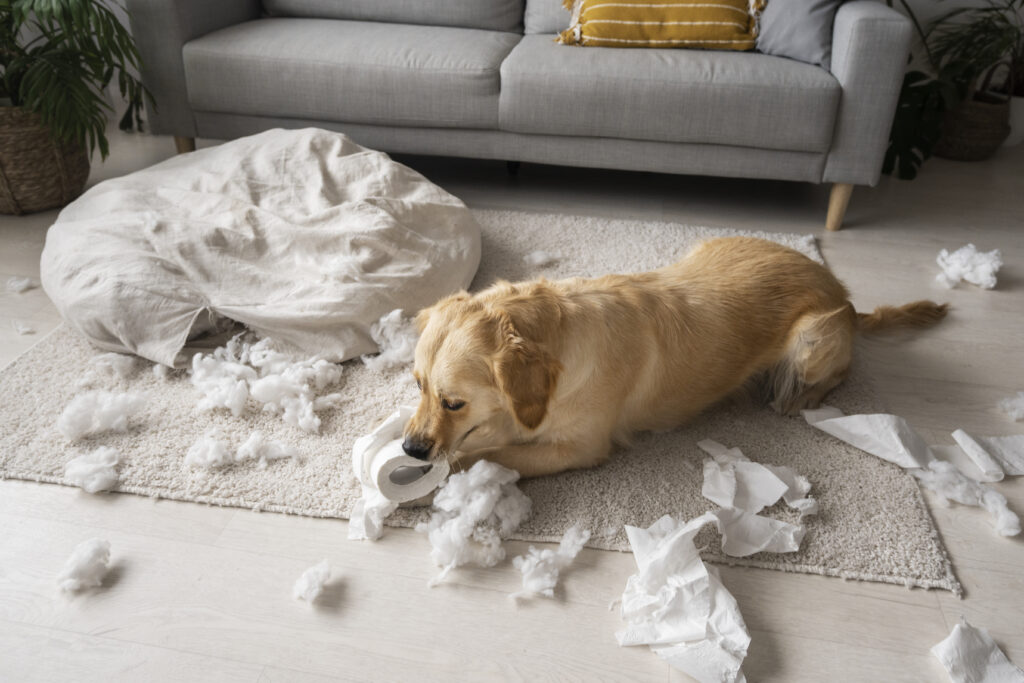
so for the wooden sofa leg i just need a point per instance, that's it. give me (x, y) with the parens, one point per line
(184, 144)
(837, 203)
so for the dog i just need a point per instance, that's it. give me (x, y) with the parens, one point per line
(545, 376)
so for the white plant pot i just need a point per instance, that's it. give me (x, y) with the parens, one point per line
(1016, 122)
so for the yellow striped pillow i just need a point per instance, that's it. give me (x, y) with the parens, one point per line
(713, 24)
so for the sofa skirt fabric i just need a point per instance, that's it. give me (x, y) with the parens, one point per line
(302, 235)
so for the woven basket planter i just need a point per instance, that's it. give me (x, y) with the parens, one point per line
(36, 172)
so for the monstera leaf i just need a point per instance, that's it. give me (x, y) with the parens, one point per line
(916, 128)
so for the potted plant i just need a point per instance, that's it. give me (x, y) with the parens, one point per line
(957, 51)
(970, 46)
(57, 57)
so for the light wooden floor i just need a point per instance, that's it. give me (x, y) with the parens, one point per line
(203, 593)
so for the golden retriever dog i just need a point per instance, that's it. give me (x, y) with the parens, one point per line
(546, 376)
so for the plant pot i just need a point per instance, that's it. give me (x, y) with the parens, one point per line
(36, 171)
(1016, 122)
(974, 130)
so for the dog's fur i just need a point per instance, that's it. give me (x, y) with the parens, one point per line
(550, 374)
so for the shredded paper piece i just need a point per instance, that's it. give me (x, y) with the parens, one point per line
(310, 585)
(86, 567)
(678, 606)
(473, 512)
(969, 655)
(890, 437)
(541, 568)
(395, 336)
(967, 263)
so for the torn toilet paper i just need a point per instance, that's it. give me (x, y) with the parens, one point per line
(886, 436)
(388, 476)
(969, 655)
(890, 437)
(473, 512)
(678, 606)
(541, 568)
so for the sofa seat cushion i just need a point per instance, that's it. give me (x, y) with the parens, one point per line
(493, 15)
(666, 95)
(361, 72)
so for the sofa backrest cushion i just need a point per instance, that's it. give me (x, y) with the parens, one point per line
(492, 15)
(545, 16)
(799, 29)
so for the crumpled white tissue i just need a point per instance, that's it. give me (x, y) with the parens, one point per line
(473, 512)
(1013, 406)
(94, 472)
(969, 655)
(541, 568)
(743, 488)
(282, 384)
(310, 585)
(18, 285)
(886, 436)
(395, 336)
(891, 438)
(967, 263)
(87, 565)
(98, 411)
(678, 606)
(946, 481)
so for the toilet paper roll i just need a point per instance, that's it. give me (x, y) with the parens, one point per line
(379, 462)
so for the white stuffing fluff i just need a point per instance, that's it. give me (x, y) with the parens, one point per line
(17, 285)
(395, 336)
(540, 259)
(94, 472)
(967, 263)
(540, 568)
(242, 370)
(943, 479)
(21, 328)
(87, 565)
(311, 584)
(1013, 406)
(118, 364)
(209, 452)
(474, 511)
(98, 411)
(258, 448)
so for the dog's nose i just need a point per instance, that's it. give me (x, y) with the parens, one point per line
(417, 448)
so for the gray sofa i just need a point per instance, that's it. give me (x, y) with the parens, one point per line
(485, 79)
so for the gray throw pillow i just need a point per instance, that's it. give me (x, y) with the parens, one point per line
(798, 29)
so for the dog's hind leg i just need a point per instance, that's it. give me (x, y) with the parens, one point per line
(817, 358)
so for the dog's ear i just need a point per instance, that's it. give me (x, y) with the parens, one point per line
(525, 372)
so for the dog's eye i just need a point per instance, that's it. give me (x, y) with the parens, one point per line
(452, 405)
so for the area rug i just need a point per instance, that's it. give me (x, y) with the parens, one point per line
(873, 523)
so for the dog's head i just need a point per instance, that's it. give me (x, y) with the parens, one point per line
(484, 371)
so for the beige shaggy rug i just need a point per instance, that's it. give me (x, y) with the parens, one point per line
(873, 522)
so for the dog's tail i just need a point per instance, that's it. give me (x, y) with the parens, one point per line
(915, 315)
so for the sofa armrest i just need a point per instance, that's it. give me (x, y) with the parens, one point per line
(870, 46)
(161, 28)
